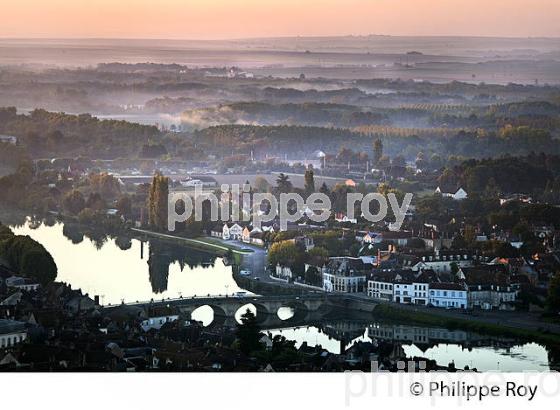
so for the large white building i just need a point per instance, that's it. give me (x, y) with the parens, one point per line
(489, 287)
(443, 261)
(380, 286)
(448, 295)
(399, 286)
(416, 288)
(345, 274)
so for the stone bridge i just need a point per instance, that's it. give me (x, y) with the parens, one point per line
(306, 307)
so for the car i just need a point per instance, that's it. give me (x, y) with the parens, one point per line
(240, 294)
(256, 278)
(245, 272)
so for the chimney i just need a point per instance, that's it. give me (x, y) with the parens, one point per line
(96, 300)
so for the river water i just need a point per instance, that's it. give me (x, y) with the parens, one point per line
(125, 269)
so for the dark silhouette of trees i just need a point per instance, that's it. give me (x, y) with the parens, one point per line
(249, 333)
(28, 257)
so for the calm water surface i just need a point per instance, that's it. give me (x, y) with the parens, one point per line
(116, 274)
(124, 269)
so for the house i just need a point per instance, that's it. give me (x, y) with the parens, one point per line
(19, 282)
(246, 234)
(206, 181)
(306, 242)
(410, 288)
(518, 266)
(445, 261)
(232, 231)
(12, 332)
(489, 287)
(80, 303)
(515, 197)
(403, 286)
(283, 272)
(156, 322)
(457, 195)
(342, 218)
(253, 236)
(217, 231)
(257, 237)
(345, 274)
(201, 181)
(369, 237)
(400, 238)
(380, 286)
(448, 295)
(8, 139)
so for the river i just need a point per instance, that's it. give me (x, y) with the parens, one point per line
(126, 269)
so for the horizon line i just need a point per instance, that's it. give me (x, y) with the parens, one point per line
(279, 37)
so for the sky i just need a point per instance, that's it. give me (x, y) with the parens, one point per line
(227, 19)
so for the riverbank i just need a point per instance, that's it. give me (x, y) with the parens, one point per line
(481, 325)
(205, 244)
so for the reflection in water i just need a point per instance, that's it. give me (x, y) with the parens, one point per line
(530, 356)
(101, 267)
(311, 335)
(461, 348)
(130, 270)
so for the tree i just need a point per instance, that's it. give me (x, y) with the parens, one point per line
(283, 253)
(492, 190)
(283, 183)
(309, 181)
(454, 268)
(324, 189)
(29, 258)
(74, 202)
(152, 151)
(313, 276)
(248, 333)
(318, 256)
(106, 184)
(124, 206)
(377, 151)
(157, 201)
(261, 184)
(95, 202)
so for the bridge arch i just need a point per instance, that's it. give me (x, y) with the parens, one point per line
(291, 311)
(208, 314)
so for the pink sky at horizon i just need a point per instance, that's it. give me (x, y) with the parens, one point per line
(222, 19)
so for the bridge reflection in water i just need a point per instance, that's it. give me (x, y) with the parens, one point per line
(270, 311)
